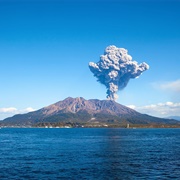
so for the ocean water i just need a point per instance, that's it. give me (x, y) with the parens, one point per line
(82, 153)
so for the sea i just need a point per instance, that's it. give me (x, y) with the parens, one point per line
(89, 153)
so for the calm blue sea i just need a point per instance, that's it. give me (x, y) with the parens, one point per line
(35, 153)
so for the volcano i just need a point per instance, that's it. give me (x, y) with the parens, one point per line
(81, 111)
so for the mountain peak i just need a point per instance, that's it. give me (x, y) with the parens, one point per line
(68, 99)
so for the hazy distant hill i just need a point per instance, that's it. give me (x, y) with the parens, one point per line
(79, 110)
(174, 117)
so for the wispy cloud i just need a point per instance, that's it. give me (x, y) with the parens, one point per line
(160, 109)
(173, 86)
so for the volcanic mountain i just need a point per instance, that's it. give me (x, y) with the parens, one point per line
(81, 111)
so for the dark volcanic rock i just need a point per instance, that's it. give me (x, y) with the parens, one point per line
(79, 110)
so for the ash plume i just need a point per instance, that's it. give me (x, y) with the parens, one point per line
(115, 68)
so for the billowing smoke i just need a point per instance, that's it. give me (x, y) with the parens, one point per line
(115, 68)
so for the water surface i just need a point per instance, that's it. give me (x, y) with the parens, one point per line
(37, 153)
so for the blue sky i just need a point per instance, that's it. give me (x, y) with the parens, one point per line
(45, 48)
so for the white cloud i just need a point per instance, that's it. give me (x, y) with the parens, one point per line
(10, 111)
(131, 106)
(160, 109)
(173, 86)
(29, 109)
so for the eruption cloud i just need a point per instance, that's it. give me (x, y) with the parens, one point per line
(115, 68)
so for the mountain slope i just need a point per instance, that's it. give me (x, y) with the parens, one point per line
(79, 110)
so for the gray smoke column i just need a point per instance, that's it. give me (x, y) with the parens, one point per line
(115, 68)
